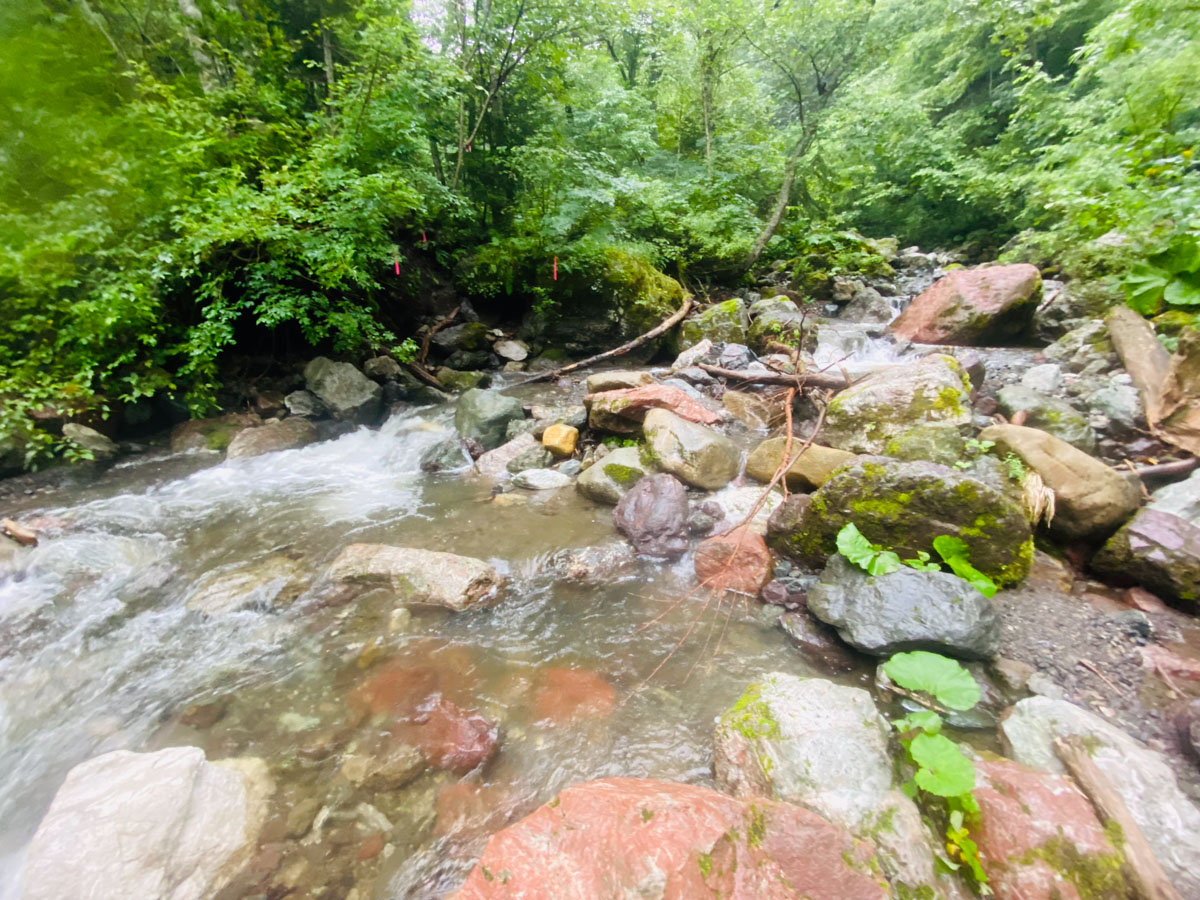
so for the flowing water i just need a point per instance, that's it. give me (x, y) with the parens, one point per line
(99, 649)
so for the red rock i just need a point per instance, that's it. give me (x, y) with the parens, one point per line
(623, 410)
(635, 837)
(449, 737)
(1027, 821)
(1140, 598)
(371, 847)
(1160, 659)
(405, 682)
(565, 695)
(969, 306)
(737, 561)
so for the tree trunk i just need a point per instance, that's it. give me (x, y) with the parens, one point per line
(781, 200)
(327, 52)
(436, 155)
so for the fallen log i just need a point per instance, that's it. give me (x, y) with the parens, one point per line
(661, 328)
(1168, 471)
(812, 379)
(1142, 868)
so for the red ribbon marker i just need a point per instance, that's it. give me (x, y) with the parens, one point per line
(423, 241)
(556, 268)
(396, 257)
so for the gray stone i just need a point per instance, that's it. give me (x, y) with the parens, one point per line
(383, 368)
(515, 351)
(569, 467)
(454, 379)
(1121, 404)
(1083, 348)
(1045, 379)
(941, 444)
(695, 453)
(167, 825)
(494, 463)
(449, 455)
(867, 305)
(653, 516)
(292, 432)
(271, 582)
(419, 577)
(347, 392)
(484, 416)
(305, 403)
(466, 336)
(904, 610)
(1143, 778)
(825, 747)
(541, 480)
(91, 440)
(617, 380)
(1049, 414)
(774, 319)
(722, 322)
(536, 457)
(607, 480)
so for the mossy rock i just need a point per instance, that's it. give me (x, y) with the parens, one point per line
(941, 444)
(722, 322)
(903, 506)
(774, 319)
(1049, 414)
(641, 295)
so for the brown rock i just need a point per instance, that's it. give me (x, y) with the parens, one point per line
(753, 410)
(565, 695)
(560, 439)
(371, 847)
(973, 306)
(292, 432)
(736, 561)
(1139, 598)
(1037, 833)
(653, 516)
(210, 434)
(617, 380)
(467, 809)
(623, 411)
(635, 837)
(449, 737)
(1090, 498)
(22, 534)
(810, 470)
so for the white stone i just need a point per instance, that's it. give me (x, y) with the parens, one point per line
(541, 479)
(511, 350)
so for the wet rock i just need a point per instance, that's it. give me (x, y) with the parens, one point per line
(1187, 723)
(774, 319)
(810, 470)
(1069, 306)
(817, 641)
(867, 305)
(675, 842)
(204, 715)
(347, 392)
(305, 403)
(91, 440)
(736, 561)
(386, 767)
(823, 746)
(703, 517)
(904, 610)
(566, 695)
(983, 306)
(1090, 498)
(609, 479)
(484, 415)
(623, 411)
(1159, 550)
(752, 410)
(570, 467)
(518, 427)
(292, 432)
(541, 480)
(210, 434)
(1086, 348)
(903, 506)
(560, 439)
(698, 455)
(1056, 417)
(167, 824)
(269, 583)
(744, 504)
(534, 457)
(461, 380)
(653, 516)
(465, 336)
(725, 321)
(599, 565)
(865, 417)
(941, 444)
(449, 455)
(617, 380)
(512, 350)
(1039, 838)
(383, 368)
(419, 577)
(1144, 779)
(448, 737)
(788, 593)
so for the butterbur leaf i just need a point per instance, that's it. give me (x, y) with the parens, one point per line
(942, 678)
(1144, 286)
(885, 561)
(955, 552)
(925, 720)
(853, 545)
(922, 563)
(1184, 290)
(1182, 256)
(944, 771)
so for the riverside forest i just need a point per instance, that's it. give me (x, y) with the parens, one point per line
(666, 449)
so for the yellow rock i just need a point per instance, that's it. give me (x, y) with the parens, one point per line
(810, 471)
(560, 439)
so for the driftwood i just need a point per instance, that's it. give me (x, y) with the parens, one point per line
(437, 326)
(21, 534)
(661, 328)
(425, 375)
(812, 380)
(1142, 869)
(1144, 358)
(1167, 471)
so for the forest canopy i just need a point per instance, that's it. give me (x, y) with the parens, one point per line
(185, 179)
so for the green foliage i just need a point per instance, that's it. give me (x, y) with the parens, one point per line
(956, 554)
(869, 557)
(942, 678)
(1171, 276)
(876, 560)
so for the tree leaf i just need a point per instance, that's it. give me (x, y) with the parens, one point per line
(956, 554)
(942, 678)
(885, 562)
(1144, 287)
(925, 720)
(1184, 290)
(944, 770)
(1182, 256)
(853, 545)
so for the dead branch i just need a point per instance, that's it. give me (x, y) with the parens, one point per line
(661, 328)
(1167, 470)
(1142, 868)
(812, 380)
(23, 535)
(421, 372)
(437, 326)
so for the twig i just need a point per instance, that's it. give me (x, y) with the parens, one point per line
(661, 328)
(1091, 668)
(812, 380)
(1168, 470)
(437, 326)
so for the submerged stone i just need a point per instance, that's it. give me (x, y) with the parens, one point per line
(653, 516)
(420, 577)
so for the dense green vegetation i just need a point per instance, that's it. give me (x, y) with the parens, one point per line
(180, 179)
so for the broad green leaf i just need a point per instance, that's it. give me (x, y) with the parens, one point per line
(924, 720)
(1184, 290)
(956, 554)
(1144, 287)
(885, 561)
(853, 545)
(922, 563)
(942, 678)
(944, 770)
(1182, 256)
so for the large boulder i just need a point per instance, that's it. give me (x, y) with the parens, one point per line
(623, 411)
(904, 610)
(1090, 498)
(722, 322)
(635, 837)
(464, 336)
(811, 469)
(653, 516)
(824, 746)
(1039, 838)
(1143, 778)
(865, 417)
(484, 416)
(1160, 545)
(903, 506)
(98, 445)
(608, 479)
(292, 432)
(345, 391)
(974, 307)
(167, 824)
(210, 434)
(1049, 414)
(774, 319)
(419, 577)
(696, 454)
